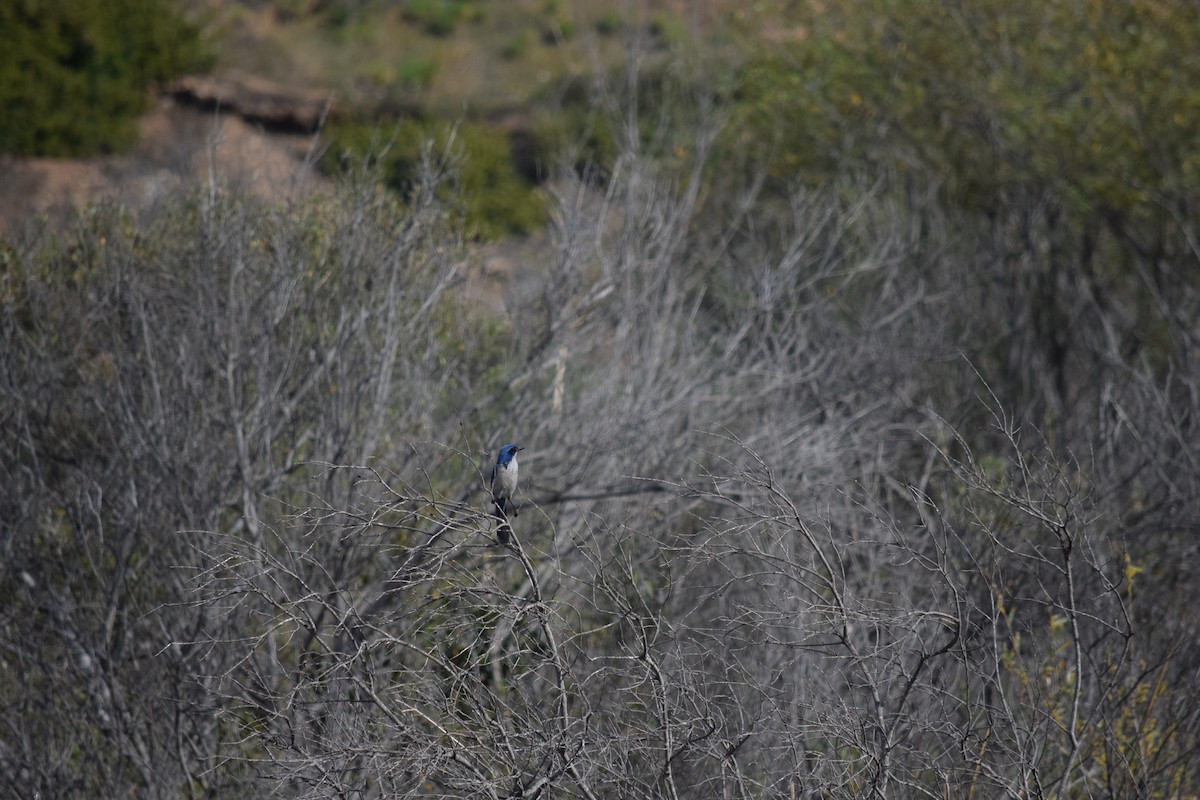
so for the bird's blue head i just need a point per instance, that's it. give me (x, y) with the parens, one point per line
(507, 454)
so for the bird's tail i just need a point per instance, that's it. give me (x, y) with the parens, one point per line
(504, 532)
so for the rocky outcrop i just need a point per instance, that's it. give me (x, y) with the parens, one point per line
(270, 104)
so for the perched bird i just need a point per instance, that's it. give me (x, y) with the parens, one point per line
(504, 486)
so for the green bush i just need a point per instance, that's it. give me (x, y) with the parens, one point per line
(74, 75)
(579, 135)
(441, 17)
(1092, 103)
(416, 73)
(609, 23)
(516, 46)
(494, 199)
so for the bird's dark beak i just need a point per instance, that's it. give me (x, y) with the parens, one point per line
(520, 448)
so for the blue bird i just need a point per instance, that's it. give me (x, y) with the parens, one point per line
(504, 486)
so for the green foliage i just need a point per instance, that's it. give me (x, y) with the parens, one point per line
(568, 29)
(494, 198)
(416, 73)
(1091, 101)
(671, 29)
(74, 75)
(655, 109)
(441, 17)
(579, 134)
(609, 23)
(517, 46)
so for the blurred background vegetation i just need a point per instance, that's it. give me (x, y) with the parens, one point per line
(75, 76)
(1087, 106)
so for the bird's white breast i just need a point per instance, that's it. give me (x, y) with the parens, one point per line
(507, 474)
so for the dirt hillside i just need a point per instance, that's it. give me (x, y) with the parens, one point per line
(180, 139)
